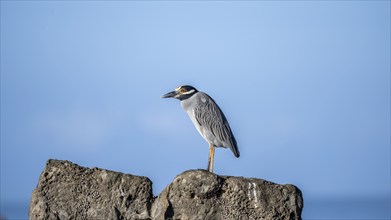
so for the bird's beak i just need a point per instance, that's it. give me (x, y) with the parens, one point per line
(170, 94)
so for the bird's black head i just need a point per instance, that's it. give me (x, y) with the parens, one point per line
(182, 92)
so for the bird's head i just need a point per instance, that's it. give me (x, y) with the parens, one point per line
(181, 93)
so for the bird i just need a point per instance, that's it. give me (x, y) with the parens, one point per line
(208, 119)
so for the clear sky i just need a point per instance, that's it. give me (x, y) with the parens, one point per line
(305, 86)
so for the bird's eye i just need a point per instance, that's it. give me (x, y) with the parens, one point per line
(182, 90)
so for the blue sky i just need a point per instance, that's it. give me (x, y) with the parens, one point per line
(305, 86)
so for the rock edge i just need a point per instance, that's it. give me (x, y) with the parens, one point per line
(68, 191)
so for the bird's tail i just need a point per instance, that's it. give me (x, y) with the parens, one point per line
(234, 147)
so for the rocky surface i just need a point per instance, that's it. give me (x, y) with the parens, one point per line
(68, 191)
(198, 194)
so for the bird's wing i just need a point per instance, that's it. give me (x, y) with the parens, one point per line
(209, 115)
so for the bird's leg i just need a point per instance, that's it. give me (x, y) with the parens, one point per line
(208, 167)
(211, 158)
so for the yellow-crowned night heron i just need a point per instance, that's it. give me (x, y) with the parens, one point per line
(207, 118)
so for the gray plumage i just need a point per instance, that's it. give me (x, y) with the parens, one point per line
(208, 118)
(210, 121)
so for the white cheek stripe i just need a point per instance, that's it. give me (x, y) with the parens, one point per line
(189, 92)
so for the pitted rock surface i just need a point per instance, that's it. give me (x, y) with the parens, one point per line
(198, 194)
(68, 191)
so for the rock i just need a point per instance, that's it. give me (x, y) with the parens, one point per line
(198, 194)
(68, 191)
